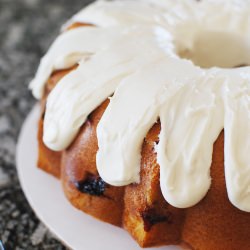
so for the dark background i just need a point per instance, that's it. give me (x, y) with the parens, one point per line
(27, 28)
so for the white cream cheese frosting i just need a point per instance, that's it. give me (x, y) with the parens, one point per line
(135, 53)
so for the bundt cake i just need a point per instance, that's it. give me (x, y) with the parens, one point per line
(145, 114)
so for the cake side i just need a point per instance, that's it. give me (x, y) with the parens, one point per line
(214, 223)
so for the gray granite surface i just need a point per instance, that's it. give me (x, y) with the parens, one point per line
(27, 28)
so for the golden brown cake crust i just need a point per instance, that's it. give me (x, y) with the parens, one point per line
(214, 223)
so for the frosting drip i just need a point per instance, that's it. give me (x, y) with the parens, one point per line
(132, 54)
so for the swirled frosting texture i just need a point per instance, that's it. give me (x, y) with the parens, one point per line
(131, 55)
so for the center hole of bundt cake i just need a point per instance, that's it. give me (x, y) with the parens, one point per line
(217, 49)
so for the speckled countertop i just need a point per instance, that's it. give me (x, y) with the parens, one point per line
(27, 29)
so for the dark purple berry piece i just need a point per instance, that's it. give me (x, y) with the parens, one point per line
(150, 218)
(93, 185)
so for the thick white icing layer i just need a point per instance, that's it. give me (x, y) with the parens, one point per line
(132, 53)
(68, 49)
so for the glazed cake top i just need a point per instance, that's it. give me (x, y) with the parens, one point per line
(176, 61)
